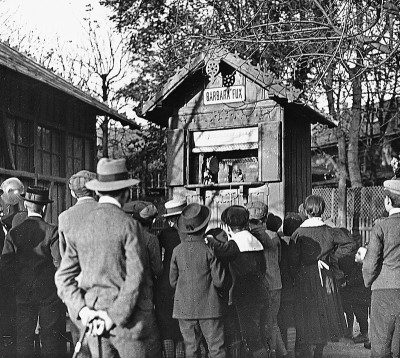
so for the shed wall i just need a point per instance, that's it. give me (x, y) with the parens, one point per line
(46, 136)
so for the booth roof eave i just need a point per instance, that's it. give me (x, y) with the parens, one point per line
(22, 64)
(307, 113)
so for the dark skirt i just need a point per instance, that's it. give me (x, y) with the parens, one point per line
(318, 309)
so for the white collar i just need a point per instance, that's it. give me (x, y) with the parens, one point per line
(84, 198)
(313, 222)
(394, 211)
(246, 241)
(34, 215)
(109, 200)
(286, 239)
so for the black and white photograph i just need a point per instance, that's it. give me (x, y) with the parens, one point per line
(199, 179)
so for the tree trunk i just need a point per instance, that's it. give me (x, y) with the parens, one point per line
(104, 125)
(104, 141)
(341, 162)
(342, 189)
(354, 131)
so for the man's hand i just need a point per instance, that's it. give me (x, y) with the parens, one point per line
(87, 315)
(360, 255)
(108, 323)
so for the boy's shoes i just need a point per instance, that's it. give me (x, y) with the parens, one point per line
(367, 345)
(361, 338)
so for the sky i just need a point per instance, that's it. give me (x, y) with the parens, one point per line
(55, 21)
(52, 18)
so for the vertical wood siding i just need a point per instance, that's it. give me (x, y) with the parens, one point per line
(297, 147)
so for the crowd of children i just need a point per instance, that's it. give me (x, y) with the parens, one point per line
(249, 289)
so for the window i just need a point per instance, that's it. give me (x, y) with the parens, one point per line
(49, 152)
(20, 138)
(251, 155)
(80, 154)
(224, 156)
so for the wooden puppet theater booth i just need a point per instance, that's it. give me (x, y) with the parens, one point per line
(235, 135)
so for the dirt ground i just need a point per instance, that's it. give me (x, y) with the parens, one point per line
(346, 349)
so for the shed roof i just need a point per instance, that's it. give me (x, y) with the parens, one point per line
(22, 64)
(277, 90)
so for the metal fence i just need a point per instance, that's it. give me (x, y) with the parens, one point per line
(364, 206)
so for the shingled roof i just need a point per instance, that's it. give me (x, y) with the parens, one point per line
(277, 90)
(24, 65)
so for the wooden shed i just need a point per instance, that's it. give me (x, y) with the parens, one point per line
(47, 126)
(235, 135)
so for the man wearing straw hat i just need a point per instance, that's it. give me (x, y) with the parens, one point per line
(31, 251)
(112, 298)
(381, 272)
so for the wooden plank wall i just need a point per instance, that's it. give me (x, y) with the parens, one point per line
(63, 136)
(297, 161)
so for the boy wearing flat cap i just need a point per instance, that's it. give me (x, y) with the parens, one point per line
(112, 298)
(70, 220)
(258, 214)
(146, 213)
(381, 272)
(70, 224)
(30, 257)
(197, 275)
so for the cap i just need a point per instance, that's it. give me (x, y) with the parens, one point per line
(257, 210)
(144, 211)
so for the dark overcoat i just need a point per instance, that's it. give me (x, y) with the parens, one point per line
(312, 255)
(32, 253)
(164, 293)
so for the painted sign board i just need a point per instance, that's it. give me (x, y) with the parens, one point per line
(224, 95)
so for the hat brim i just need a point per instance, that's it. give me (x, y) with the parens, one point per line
(95, 184)
(172, 214)
(48, 201)
(201, 226)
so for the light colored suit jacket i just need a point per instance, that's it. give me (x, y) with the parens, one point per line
(70, 221)
(112, 259)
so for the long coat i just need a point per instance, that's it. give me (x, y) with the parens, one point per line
(196, 275)
(318, 310)
(112, 260)
(164, 293)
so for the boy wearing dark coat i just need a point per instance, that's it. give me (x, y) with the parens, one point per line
(250, 289)
(196, 275)
(168, 238)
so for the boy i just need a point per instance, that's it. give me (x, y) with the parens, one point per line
(258, 213)
(250, 288)
(381, 272)
(197, 275)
